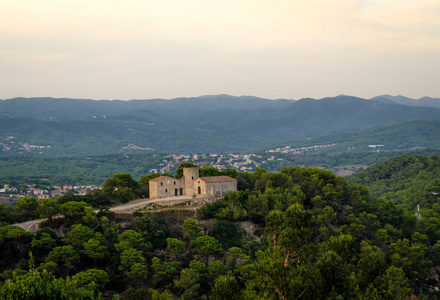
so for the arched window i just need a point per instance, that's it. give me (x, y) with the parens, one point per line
(200, 190)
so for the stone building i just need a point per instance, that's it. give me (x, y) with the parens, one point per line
(191, 185)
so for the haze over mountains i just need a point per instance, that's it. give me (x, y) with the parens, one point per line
(425, 101)
(74, 127)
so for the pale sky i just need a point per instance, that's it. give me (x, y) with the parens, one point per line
(143, 49)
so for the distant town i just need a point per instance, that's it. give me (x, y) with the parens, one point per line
(239, 162)
(9, 193)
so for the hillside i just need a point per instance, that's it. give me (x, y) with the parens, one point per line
(403, 136)
(214, 124)
(406, 180)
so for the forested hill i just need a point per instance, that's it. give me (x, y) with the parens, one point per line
(402, 136)
(73, 127)
(406, 180)
(309, 235)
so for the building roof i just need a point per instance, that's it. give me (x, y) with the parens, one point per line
(161, 178)
(218, 179)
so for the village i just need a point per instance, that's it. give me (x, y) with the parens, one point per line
(10, 144)
(240, 162)
(300, 150)
(10, 194)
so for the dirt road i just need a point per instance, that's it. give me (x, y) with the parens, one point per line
(140, 204)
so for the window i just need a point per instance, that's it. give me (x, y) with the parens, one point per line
(192, 177)
(200, 190)
(166, 191)
(161, 183)
(174, 183)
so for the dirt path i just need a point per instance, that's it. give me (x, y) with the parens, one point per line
(140, 204)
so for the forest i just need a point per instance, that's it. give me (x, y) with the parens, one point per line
(301, 233)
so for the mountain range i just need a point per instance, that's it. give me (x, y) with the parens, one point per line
(221, 123)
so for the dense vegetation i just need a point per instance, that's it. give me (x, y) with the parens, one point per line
(406, 180)
(74, 170)
(316, 237)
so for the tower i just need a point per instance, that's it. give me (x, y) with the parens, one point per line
(189, 175)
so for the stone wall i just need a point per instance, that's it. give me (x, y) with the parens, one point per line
(167, 187)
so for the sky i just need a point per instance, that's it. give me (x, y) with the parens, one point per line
(292, 49)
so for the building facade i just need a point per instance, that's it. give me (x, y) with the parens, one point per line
(191, 185)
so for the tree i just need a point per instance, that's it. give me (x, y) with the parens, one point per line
(275, 224)
(398, 284)
(207, 171)
(124, 194)
(134, 264)
(227, 233)
(111, 229)
(73, 209)
(163, 271)
(47, 208)
(276, 280)
(236, 258)
(98, 198)
(79, 235)
(210, 210)
(132, 239)
(27, 207)
(89, 218)
(176, 247)
(155, 295)
(191, 230)
(334, 276)
(68, 197)
(135, 294)
(92, 277)
(282, 270)
(44, 241)
(179, 171)
(234, 210)
(7, 215)
(14, 244)
(371, 265)
(214, 269)
(207, 246)
(226, 288)
(95, 248)
(290, 230)
(121, 186)
(188, 283)
(153, 229)
(64, 256)
(35, 285)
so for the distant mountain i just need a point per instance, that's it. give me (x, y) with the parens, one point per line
(220, 123)
(425, 101)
